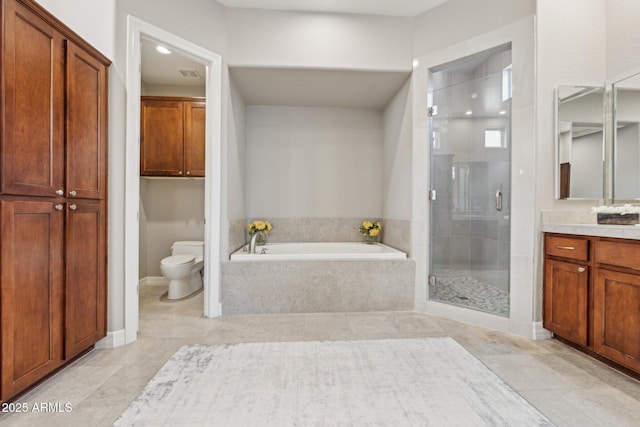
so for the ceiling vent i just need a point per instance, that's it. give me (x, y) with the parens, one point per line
(189, 73)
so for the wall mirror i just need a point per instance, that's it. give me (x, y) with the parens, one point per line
(580, 142)
(626, 139)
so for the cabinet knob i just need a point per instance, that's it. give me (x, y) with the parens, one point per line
(581, 269)
(59, 192)
(179, 172)
(188, 173)
(72, 193)
(58, 207)
(73, 207)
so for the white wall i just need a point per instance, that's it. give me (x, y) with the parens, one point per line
(318, 40)
(398, 134)
(458, 20)
(623, 32)
(313, 162)
(236, 157)
(92, 20)
(170, 210)
(233, 228)
(571, 51)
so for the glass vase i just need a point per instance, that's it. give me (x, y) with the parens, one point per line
(370, 239)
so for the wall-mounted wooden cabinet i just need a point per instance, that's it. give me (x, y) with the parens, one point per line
(172, 136)
(53, 186)
(592, 295)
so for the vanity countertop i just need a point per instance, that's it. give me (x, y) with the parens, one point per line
(617, 231)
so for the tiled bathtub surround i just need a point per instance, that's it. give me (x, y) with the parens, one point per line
(317, 286)
(314, 229)
(395, 233)
(237, 234)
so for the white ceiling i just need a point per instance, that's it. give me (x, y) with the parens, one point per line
(317, 88)
(159, 69)
(408, 8)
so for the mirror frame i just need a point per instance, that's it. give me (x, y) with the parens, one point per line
(557, 166)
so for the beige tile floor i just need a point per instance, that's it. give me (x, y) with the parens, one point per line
(567, 386)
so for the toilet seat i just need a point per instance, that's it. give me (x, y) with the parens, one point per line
(177, 260)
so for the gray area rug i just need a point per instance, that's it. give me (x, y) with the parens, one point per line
(404, 382)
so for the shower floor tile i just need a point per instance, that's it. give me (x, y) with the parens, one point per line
(467, 291)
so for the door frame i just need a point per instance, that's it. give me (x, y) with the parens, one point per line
(137, 29)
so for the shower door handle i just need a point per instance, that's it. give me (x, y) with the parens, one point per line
(498, 200)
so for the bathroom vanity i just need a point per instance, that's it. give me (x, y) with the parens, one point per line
(592, 290)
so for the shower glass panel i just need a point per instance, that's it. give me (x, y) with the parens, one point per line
(470, 128)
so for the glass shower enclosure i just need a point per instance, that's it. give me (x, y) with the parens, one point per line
(470, 128)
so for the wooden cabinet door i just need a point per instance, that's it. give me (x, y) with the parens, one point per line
(565, 299)
(86, 148)
(616, 306)
(194, 138)
(85, 276)
(31, 295)
(161, 137)
(32, 141)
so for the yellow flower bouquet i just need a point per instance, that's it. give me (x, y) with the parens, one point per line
(260, 226)
(370, 231)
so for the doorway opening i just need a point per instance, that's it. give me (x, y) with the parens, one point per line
(139, 32)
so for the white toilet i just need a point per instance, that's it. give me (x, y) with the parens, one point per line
(183, 268)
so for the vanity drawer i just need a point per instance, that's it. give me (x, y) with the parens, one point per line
(617, 253)
(567, 247)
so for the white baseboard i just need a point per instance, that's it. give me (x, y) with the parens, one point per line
(153, 281)
(112, 340)
(540, 333)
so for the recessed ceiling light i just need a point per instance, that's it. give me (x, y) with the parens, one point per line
(163, 50)
(502, 112)
(468, 113)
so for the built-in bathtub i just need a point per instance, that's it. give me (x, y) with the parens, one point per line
(318, 277)
(318, 251)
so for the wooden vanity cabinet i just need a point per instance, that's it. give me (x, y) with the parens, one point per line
(53, 187)
(616, 301)
(566, 283)
(172, 136)
(592, 295)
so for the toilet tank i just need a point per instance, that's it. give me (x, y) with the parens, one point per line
(188, 247)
